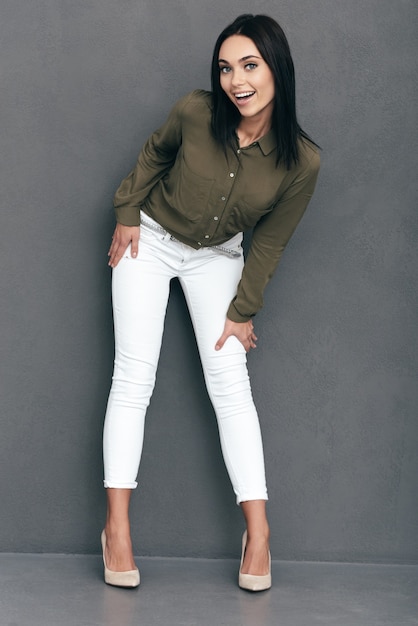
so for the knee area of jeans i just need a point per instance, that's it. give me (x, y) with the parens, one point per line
(134, 372)
(136, 376)
(234, 377)
(132, 388)
(141, 357)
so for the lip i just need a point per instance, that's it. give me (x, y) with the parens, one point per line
(242, 97)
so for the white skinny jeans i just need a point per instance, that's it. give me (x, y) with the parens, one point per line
(140, 289)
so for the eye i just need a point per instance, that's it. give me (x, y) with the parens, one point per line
(224, 69)
(250, 66)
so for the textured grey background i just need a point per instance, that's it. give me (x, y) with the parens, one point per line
(335, 374)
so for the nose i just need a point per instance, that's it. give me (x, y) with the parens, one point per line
(238, 78)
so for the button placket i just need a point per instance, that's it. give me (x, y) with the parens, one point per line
(223, 199)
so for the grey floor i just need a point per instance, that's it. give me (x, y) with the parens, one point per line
(56, 590)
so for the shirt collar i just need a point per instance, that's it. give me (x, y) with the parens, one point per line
(268, 143)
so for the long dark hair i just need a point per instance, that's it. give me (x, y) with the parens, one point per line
(273, 46)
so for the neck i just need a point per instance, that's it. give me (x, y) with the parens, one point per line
(250, 131)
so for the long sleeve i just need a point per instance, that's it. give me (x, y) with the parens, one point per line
(270, 237)
(155, 160)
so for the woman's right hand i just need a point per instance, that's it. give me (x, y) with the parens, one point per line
(122, 237)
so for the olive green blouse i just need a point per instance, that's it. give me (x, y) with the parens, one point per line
(203, 196)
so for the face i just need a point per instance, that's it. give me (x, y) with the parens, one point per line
(246, 78)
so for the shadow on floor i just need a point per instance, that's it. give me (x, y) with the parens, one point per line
(57, 590)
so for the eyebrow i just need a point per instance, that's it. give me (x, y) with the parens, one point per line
(250, 56)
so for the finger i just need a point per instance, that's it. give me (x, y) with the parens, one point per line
(245, 342)
(116, 242)
(112, 247)
(221, 341)
(134, 247)
(112, 254)
(117, 254)
(112, 250)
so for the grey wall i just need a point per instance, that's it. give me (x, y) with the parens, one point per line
(83, 83)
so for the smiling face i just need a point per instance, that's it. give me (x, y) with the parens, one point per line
(246, 78)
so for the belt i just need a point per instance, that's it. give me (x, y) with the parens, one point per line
(159, 229)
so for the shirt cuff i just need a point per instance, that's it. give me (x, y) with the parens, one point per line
(233, 315)
(128, 216)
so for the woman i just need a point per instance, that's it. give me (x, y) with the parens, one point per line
(224, 162)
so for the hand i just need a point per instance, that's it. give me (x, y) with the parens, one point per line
(243, 331)
(122, 237)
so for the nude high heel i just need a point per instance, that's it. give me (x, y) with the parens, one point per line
(129, 578)
(249, 581)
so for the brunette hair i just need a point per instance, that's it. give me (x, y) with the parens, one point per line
(273, 46)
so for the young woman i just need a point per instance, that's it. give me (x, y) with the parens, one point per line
(224, 162)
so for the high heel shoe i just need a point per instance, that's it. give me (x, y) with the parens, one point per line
(250, 582)
(129, 578)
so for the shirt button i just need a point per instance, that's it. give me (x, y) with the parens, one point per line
(223, 198)
(198, 243)
(232, 174)
(216, 218)
(238, 151)
(206, 236)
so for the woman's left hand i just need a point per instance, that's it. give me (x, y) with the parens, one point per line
(243, 331)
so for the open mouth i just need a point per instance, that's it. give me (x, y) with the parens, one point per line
(244, 96)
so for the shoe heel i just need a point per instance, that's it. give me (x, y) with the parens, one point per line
(249, 582)
(130, 578)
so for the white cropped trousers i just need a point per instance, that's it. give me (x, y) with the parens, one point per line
(140, 289)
